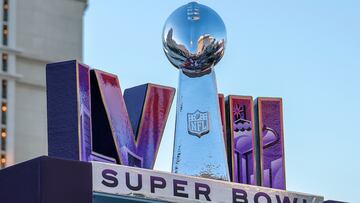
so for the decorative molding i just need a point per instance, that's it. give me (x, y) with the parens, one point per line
(10, 50)
(8, 75)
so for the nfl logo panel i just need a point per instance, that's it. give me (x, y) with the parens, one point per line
(198, 123)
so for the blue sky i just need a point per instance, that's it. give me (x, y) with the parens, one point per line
(307, 52)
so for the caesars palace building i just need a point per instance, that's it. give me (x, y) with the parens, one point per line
(34, 33)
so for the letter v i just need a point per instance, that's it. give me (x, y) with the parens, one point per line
(130, 129)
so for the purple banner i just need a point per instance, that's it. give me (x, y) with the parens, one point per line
(270, 130)
(242, 136)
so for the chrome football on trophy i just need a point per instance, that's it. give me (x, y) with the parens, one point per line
(194, 39)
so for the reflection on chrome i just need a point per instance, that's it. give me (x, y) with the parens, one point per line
(194, 39)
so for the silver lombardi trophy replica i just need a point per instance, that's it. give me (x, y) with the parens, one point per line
(194, 38)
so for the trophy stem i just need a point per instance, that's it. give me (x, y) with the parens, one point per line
(199, 146)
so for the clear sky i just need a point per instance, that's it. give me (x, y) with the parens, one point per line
(307, 52)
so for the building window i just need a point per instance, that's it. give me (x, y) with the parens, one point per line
(4, 89)
(5, 10)
(3, 133)
(3, 139)
(5, 35)
(4, 62)
(3, 160)
(3, 113)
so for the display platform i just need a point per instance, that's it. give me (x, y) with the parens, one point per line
(52, 180)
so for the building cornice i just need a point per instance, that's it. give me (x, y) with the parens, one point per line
(8, 75)
(10, 50)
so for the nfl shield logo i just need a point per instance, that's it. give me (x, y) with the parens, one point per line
(198, 123)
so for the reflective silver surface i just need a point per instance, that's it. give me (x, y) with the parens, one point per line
(194, 40)
(201, 155)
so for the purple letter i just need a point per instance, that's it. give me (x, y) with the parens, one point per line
(69, 110)
(205, 191)
(110, 175)
(241, 134)
(136, 126)
(154, 185)
(286, 199)
(239, 196)
(134, 188)
(178, 188)
(271, 136)
(262, 194)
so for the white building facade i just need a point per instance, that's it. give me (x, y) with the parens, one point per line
(34, 33)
